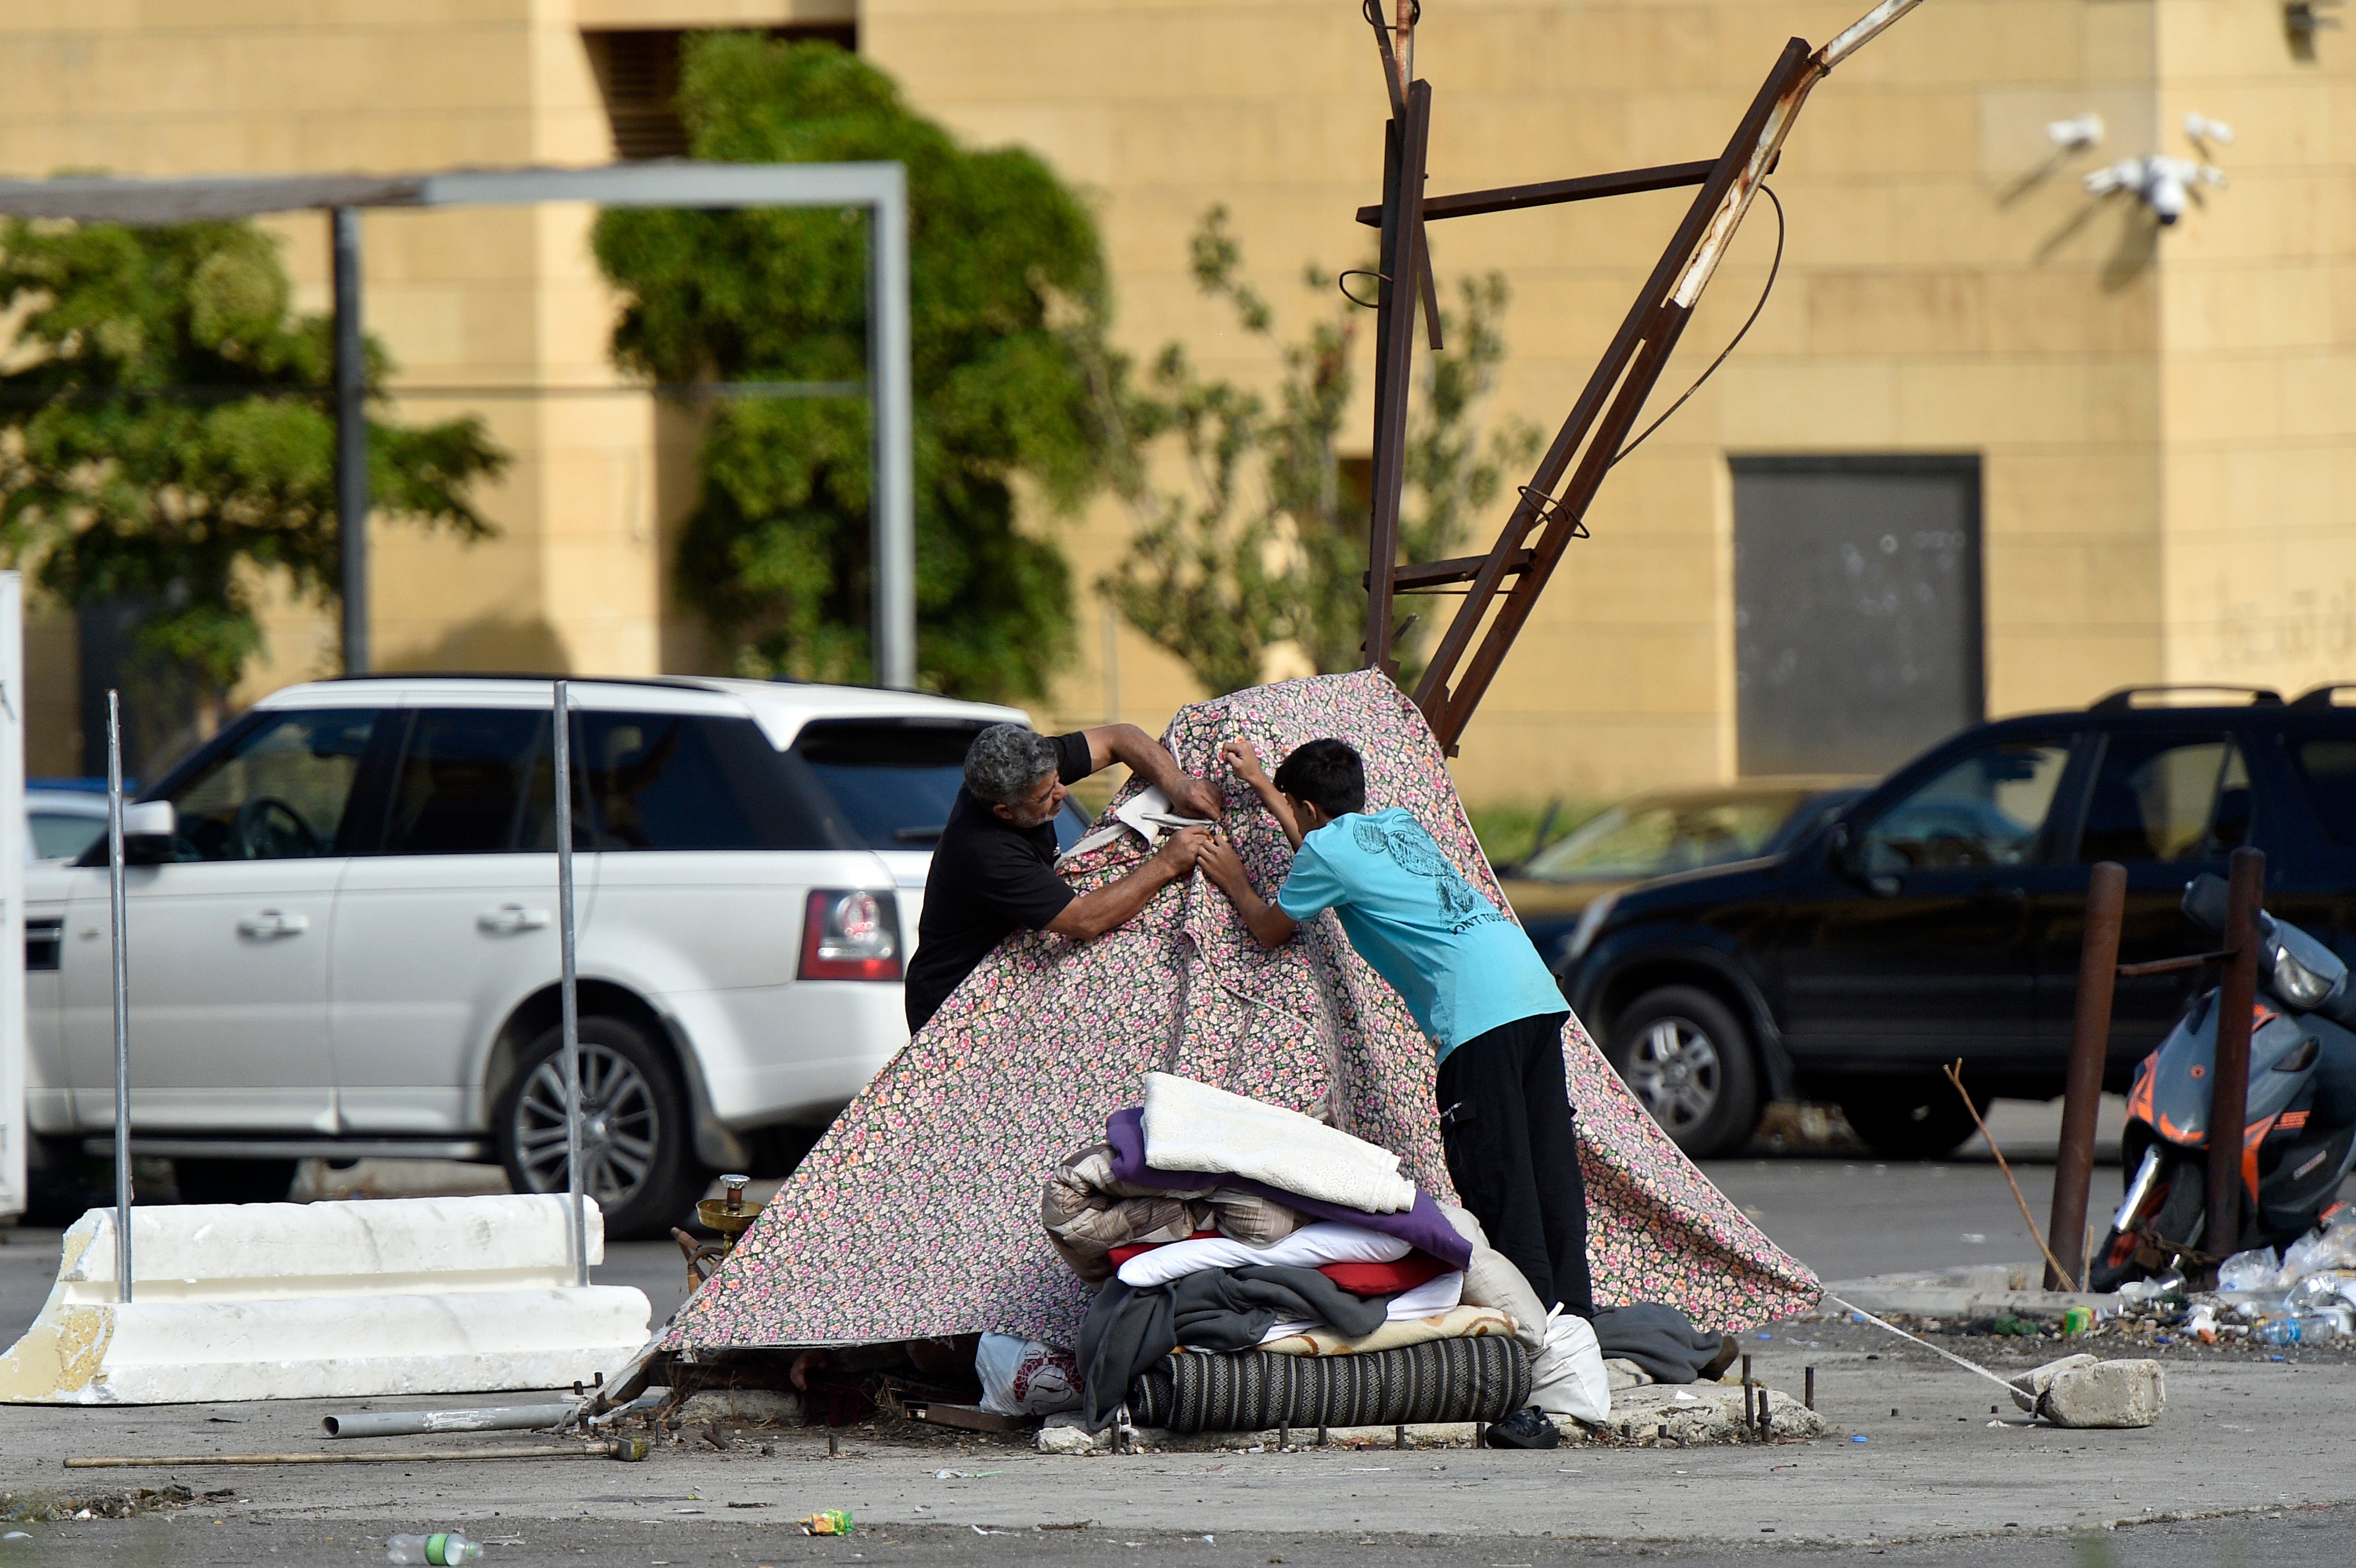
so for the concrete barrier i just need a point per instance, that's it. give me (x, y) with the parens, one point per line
(407, 1295)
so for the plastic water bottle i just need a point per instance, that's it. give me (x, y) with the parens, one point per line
(2307, 1329)
(451, 1549)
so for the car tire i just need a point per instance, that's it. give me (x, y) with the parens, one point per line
(1688, 1060)
(233, 1180)
(638, 1138)
(1911, 1118)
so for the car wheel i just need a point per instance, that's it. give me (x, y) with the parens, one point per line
(1689, 1061)
(1911, 1118)
(233, 1180)
(637, 1145)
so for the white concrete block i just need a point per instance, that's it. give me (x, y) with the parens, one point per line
(324, 1300)
(2108, 1393)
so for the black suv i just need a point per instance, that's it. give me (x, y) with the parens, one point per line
(1940, 917)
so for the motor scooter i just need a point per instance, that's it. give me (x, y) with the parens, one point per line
(2292, 1165)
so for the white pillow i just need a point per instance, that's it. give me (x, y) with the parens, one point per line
(1441, 1293)
(1327, 1242)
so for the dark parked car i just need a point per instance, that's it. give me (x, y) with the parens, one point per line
(1662, 831)
(1940, 917)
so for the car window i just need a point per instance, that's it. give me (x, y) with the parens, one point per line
(1986, 810)
(58, 837)
(1651, 840)
(673, 781)
(278, 791)
(462, 780)
(893, 781)
(2166, 797)
(2326, 764)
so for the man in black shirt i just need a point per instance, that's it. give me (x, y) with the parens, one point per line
(994, 869)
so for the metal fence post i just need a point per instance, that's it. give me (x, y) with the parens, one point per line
(120, 925)
(2229, 1087)
(351, 440)
(568, 989)
(2089, 1038)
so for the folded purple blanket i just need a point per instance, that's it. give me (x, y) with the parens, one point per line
(1423, 1226)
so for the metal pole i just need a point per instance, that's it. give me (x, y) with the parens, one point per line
(2229, 1088)
(2090, 1040)
(893, 495)
(568, 989)
(122, 998)
(351, 440)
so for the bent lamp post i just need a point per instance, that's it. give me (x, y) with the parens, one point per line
(879, 188)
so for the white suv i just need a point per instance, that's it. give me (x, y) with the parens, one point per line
(347, 946)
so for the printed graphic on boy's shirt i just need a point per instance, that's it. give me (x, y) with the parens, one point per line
(1415, 853)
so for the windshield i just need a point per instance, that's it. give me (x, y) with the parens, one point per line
(1653, 837)
(895, 781)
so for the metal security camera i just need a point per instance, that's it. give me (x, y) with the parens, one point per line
(2162, 184)
(2075, 135)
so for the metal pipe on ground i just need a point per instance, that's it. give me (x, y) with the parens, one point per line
(628, 1449)
(2229, 1089)
(415, 1423)
(2089, 1038)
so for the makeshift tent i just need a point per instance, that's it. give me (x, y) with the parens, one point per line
(917, 1213)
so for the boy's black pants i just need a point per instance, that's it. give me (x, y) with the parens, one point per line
(1505, 1117)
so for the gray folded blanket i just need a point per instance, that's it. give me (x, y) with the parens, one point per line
(1128, 1330)
(1659, 1338)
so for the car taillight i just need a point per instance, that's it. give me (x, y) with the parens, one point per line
(851, 936)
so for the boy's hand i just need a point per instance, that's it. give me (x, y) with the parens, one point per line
(1219, 861)
(1243, 759)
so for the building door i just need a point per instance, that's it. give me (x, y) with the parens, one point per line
(1857, 609)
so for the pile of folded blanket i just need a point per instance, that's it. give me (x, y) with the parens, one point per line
(1258, 1268)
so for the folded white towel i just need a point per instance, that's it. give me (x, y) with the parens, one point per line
(1193, 1127)
(1328, 1242)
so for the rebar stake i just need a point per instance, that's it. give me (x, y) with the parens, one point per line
(1811, 1396)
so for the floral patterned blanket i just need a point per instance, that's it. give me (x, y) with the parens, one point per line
(917, 1213)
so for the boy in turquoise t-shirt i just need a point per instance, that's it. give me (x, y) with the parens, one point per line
(1467, 972)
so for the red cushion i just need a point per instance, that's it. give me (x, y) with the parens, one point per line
(1121, 1255)
(1385, 1279)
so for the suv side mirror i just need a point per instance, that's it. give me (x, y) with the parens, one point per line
(148, 828)
(1841, 855)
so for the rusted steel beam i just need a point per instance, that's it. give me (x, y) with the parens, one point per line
(1553, 193)
(1607, 409)
(1428, 575)
(1599, 421)
(2229, 1083)
(2089, 1043)
(1406, 143)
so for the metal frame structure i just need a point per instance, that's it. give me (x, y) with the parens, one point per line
(1594, 436)
(879, 188)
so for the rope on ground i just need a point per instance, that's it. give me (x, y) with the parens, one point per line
(2003, 1383)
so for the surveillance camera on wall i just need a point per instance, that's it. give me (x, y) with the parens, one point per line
(2305, 18)
(2202, 131)
(2074, 135)
(2164, 185)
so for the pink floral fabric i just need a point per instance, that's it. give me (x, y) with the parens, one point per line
(917, 1213)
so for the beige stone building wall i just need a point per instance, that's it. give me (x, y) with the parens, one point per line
(2162, 416)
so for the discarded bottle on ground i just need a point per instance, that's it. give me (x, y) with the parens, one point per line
(451, 1549)
(2307, 1329)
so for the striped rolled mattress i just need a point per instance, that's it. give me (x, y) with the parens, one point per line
(1483, 1378)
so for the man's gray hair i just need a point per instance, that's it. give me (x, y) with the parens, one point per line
(1006, 762)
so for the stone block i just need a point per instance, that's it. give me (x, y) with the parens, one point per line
(2108, 1393)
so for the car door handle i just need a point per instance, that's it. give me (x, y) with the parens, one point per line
(271, 922)
(512, 917)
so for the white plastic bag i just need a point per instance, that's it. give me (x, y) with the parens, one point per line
(2334, 1249)
(2254, 1270)
(1023, 1377)
(1568, 1379)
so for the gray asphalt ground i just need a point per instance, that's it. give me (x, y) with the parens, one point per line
(2247, 1466)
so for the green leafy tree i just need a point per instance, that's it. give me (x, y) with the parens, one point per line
(1267, 541)
(1007, 288)
(166, 438)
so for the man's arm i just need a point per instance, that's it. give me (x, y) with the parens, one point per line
(1244, 759)
(1220, 862)
(1094, 914)
(1188, 795)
